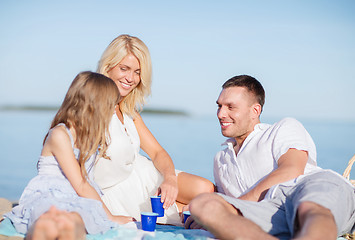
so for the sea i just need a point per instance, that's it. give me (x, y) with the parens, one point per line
(192, 141)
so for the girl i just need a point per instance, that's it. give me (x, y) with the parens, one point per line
(78, 135)
(129, 179)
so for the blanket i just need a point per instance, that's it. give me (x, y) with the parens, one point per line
(130, 231)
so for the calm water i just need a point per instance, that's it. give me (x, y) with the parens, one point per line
(191, 142)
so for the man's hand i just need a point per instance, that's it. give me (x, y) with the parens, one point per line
(192, 224)
(184, 208)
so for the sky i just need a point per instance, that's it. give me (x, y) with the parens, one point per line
(303, 52)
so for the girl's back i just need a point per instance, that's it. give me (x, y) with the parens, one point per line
(48, 164)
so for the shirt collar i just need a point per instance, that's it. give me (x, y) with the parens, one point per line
(257, 128)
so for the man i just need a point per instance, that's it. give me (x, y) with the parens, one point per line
(268, 182)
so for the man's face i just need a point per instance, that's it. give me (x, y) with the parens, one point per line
(236, 113)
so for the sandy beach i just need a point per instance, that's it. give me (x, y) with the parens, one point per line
(6, 206)
(2, 237)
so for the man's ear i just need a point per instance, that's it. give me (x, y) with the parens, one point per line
(256, 110)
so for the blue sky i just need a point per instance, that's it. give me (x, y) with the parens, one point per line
(303, 52)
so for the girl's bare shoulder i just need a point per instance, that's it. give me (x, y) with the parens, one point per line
(57, 136)
(59, 132)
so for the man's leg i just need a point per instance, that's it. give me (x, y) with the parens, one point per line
(315, 222)
(223, 220)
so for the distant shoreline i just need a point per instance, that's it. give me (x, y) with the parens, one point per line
(55, 108)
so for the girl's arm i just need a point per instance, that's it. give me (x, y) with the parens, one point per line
(58, 144)
(161, 160)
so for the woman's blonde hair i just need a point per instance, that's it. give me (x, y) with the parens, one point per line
(88, 107)
(119, 48)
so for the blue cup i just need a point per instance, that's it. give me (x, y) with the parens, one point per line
(149, 221)
(186, 215)
(157, 205)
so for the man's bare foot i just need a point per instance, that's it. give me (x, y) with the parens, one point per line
(57, 224)
(44, 228)
(71, 226)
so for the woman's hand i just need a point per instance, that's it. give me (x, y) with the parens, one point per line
(181, 214)
(122, 219)
(168, 191)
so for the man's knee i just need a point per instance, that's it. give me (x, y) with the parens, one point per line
(199, 204)
(207, 205)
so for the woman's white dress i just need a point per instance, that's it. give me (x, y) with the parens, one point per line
(128, 179)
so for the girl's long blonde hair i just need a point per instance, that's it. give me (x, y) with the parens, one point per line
(88, 107)
(119, 48)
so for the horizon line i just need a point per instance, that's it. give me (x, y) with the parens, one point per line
(147, 110)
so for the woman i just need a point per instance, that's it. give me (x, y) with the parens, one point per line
(129, 179)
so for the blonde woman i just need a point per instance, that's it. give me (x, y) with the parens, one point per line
(55, 203)
(128, 179)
